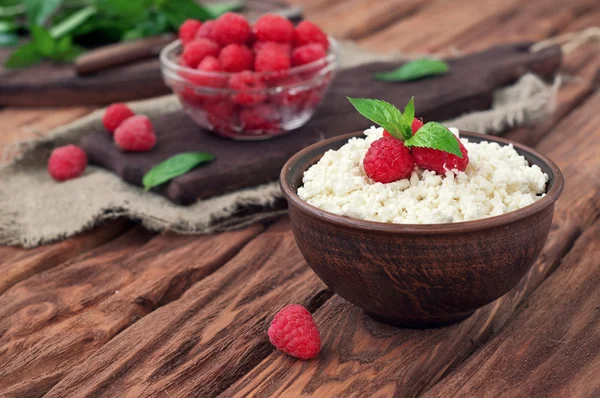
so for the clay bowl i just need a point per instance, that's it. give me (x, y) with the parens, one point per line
(416, 275)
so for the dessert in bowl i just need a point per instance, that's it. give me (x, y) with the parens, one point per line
(444, 252)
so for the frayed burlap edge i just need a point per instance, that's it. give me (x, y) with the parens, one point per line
(34, 210)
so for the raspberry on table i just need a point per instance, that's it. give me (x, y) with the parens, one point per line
(67, 162)
(230, 28)
(307, 33)
(135, 134)
(416, 125)
(388, 160)
(195, 51)
(275, 28)
(188, 30)
(271, 58)
(116, 114)
(249, 86)
(236, 58)
(261, 118)
(294, 332)
(205, 31)
(441, 161)
(308, 53)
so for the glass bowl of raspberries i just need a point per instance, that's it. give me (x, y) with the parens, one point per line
(250, 82)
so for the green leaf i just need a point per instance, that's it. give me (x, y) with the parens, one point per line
(415, 70)
(38, 11)
(177, 11)
(24, 56)
(133, 10)
(218, 9)
(434, 135)
(409, 112)
(8, 39)
(384, 114)
(8, 26)
(175, 166)
(73, 21)
(43, 42)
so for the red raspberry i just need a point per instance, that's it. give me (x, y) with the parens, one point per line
(196, 50)
(115, 115)
(236, 58)
(388, 160)
(230, 28)
(308, 53)
(440, 161)
(259, 119)
(205, 31)
(249, 86)
(272, 27)
(188, 30)
(307, 32)
(416, 125)
(221, 117)
(294, 332)
(135, 134)
(287, 47)
(67, 162)
(271, 58)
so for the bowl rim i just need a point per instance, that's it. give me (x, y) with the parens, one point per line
(445, 228)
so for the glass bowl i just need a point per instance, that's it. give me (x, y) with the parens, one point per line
(273, 104)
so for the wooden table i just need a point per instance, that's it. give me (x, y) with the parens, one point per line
(119, 311)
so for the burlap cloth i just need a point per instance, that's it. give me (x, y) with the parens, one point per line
(35, 210)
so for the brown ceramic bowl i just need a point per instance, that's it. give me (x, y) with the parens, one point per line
(419, 275)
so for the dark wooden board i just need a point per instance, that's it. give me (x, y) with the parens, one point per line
(52, 84)
(469, 86)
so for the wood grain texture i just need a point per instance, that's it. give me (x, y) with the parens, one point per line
(468, 86)
(552, 347)
(55, 320)
(201, 343)
(25, 263)
(362, 358)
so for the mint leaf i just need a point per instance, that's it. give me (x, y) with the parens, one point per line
(73, 21)
(177, 11)
(415, 70)
(218, 9)
(8, 26)
(434, 135)
(175, 166)
(24, 56)
(43, 42)
(384, 114)
(409, 112)
(38, 11)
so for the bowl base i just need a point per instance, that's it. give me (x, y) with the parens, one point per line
(420, 323)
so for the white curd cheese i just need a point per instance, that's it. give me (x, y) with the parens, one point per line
(498, 180)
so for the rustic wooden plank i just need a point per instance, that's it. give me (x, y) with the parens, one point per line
(363, 358)
(24, 263)
(55, 320)
(201, 343)
(551, 348)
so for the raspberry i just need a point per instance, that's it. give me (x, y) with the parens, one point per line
(67, 162)
(287, 47)
(294, 332)
(188, 30)
(416, 125)
(236, 58)
(230, 28)
(308, 53)
(271, 27)
(196, 50)
(307, 32)
(135, 134)
(440, 161)
(249, 86)
(221, 117)
(259, 119)
(388, 160)
(115, 115)
(271, 58)
(205, 31)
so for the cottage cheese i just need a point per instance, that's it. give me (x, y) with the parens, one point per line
(498, 180)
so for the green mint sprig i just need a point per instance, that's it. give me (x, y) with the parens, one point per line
(414, 70)
(175, 166)
(431, 135)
